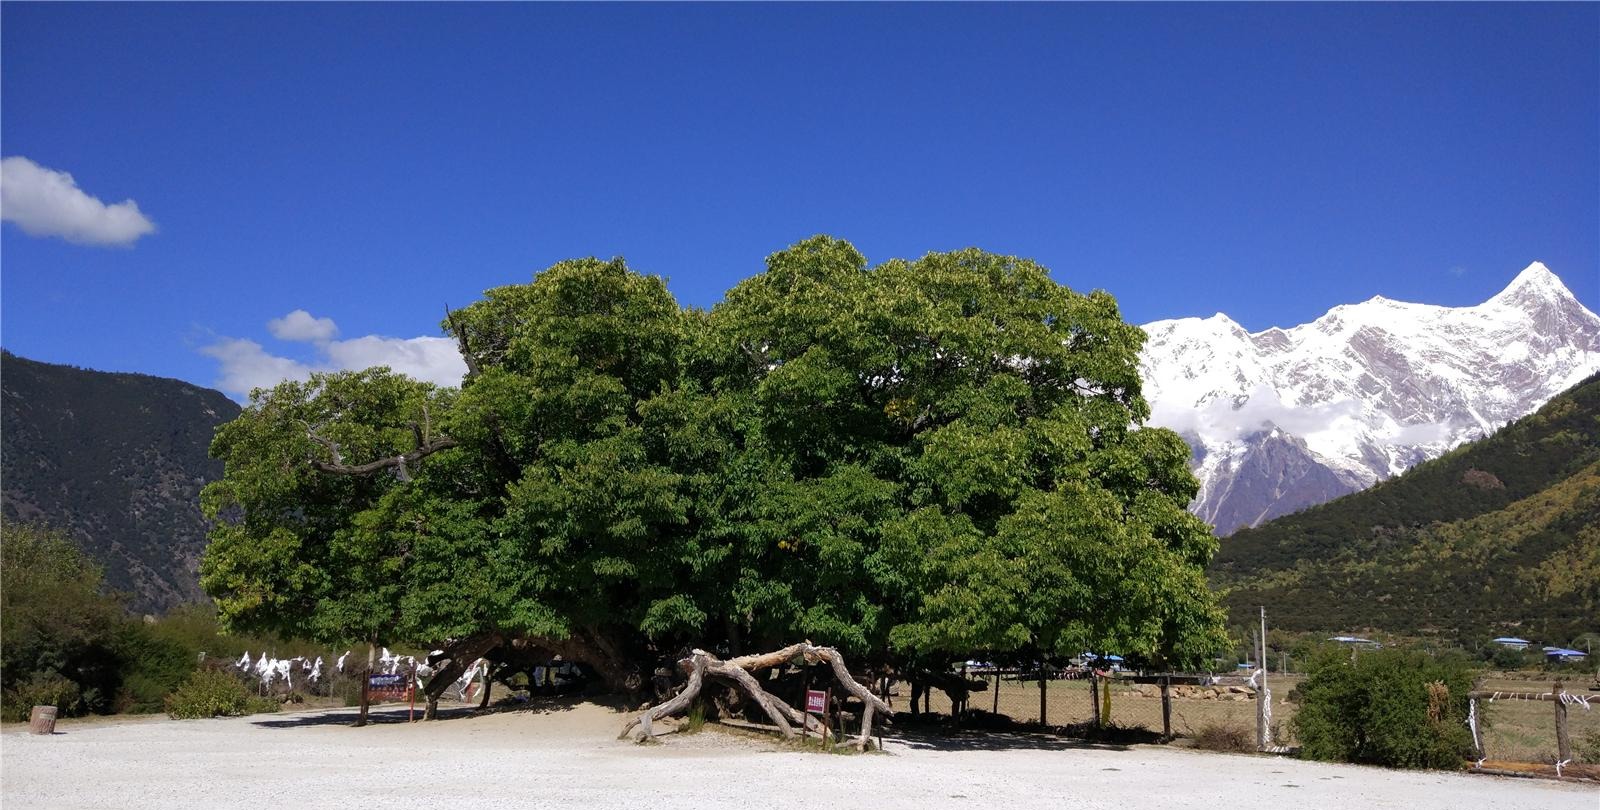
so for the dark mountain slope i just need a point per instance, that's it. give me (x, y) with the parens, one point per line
(1499, 533)
(118, 460)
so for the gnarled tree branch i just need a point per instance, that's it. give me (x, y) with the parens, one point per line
(427, 445)
(701, 664)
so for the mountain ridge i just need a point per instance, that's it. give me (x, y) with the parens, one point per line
(1500, 534)
(117, 460)
(1368, 389)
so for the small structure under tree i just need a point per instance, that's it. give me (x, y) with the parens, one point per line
(701, 665)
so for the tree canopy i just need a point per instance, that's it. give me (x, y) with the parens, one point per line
(910, 461)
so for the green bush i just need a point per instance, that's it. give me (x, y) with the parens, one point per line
(211, 693)
(54, 620)
(1507, 658)
(152, 667)
(1390, 707)
(40, 690)
(1589, 747)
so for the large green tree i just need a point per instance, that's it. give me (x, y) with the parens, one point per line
(911, 461)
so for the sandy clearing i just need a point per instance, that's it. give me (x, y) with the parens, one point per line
(566, 756)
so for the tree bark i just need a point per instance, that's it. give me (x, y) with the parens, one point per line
(595, 648)
(462, 654)
(427, 445)
(488, 683)
(366, 683)
(702, 664)
(698, 663)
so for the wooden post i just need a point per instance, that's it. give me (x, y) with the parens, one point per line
(884, 693)
(1166, 707)
(1094, 695)
(42, 720)
(1563, 740)
(366, 683)
(996, 709)
(957, 710)
(827, 723)
(1475, 724)
(1043, 721)
(805, 701)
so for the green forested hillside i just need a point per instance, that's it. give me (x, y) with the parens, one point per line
(1498, 535)
(116, 461)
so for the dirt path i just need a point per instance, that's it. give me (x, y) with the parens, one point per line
(565, 756)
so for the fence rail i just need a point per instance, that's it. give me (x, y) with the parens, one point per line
(1166, 704)
(1518, 726)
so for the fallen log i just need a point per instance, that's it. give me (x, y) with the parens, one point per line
(736, 672)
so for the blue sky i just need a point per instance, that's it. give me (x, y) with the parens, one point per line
(371, 163)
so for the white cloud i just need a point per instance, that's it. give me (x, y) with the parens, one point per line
(45, 202)
(431, 359)
(1223, 419)
(245, 364)
(299, 326)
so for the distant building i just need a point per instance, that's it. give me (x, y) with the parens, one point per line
(1354, 640)
(1558, 655)
(1513, 643)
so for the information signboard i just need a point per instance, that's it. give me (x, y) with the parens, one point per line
(387, 687)
(816, 701)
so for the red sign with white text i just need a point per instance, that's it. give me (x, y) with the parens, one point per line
(816, 701)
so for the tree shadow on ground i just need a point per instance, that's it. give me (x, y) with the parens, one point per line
(983, 732)
(389, 715)
(934, 739)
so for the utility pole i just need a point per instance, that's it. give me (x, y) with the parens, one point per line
(1263, 697)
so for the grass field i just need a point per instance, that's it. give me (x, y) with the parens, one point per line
(1524, 731)
(1517, 731)
(1068, 702)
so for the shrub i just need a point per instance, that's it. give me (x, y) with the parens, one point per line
(152, 668)
(1225, 737)
(54, 620)
(1507, 658)
(696, 719)
(1589, 747)
(211, 693)
(40, 690)
(1390, 707)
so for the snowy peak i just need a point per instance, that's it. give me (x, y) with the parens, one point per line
(1534, 286)
(1286, 418)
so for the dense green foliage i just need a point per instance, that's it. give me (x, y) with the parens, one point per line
(1498, 536)
(65, 642)
(1399, 708)
(212, 693)
(116, 461)
(55, 624)
(918, 459)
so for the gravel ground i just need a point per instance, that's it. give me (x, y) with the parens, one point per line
(565, 756)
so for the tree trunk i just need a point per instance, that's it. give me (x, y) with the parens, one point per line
(596, 649)
(866, 728)
(461, 654)
(488, 683)
(697, 671)
(366, 682)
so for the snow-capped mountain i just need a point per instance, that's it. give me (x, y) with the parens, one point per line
(1287, 418)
